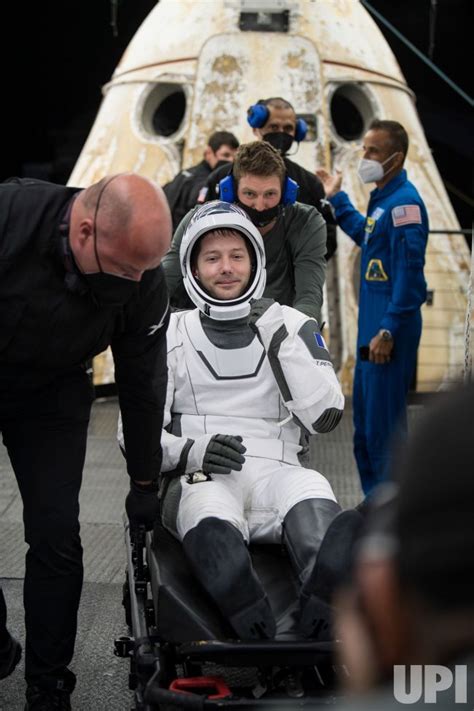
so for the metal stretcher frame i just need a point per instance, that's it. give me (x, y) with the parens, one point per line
(153, 660)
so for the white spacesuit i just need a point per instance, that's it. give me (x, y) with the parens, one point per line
(254, 374)
(235, 391)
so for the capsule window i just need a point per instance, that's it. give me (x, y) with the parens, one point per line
(164, 109)
(352, 111)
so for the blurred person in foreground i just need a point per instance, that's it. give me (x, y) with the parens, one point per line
(406, 624)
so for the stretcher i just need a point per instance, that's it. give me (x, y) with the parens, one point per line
(184, 655)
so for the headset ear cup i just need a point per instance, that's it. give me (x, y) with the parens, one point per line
(301, 130)
(290, 191)
(257, 115)
(227, 189)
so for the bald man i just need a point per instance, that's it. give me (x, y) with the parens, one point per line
(79, 271)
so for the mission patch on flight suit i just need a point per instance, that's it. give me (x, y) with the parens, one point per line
(370, 224)
(375, 271)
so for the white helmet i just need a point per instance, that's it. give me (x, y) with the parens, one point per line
(217, 215)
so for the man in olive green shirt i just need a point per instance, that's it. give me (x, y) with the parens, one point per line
(294, 234)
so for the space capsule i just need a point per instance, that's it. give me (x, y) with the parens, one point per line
(195, 67)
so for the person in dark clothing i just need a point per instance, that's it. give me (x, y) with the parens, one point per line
(79, 271)
(183, 191)
(294, 235)
(274, 120)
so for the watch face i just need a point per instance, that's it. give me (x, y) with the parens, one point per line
(386, 336)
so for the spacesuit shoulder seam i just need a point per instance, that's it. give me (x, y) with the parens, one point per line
(174, 332)
(293, 318)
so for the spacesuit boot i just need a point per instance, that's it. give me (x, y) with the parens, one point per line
(221, 562)
(319, 538)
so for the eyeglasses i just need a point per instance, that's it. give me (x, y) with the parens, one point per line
(94, 226)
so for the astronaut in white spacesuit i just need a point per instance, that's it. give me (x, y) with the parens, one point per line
(245, 376)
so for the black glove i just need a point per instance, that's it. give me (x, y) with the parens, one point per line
(257, 309)
(142, 505)
(223, 453)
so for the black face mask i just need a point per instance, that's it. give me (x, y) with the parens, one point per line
(280, 140)
(111, 290)
(108, 289)
(261, 218)
(221, 162)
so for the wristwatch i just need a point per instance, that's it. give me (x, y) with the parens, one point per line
(385, 334)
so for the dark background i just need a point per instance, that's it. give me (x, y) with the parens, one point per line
(57, 54)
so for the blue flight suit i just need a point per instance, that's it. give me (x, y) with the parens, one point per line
(393, 240)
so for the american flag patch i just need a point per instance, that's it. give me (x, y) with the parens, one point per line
(406, 215)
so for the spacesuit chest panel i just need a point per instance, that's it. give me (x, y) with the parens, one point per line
(228, 363)
(209, 376)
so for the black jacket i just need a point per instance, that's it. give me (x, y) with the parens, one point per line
(49, 327)
(311, 192)
(182, 192)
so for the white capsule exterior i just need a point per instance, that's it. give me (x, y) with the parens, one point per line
(332, 51)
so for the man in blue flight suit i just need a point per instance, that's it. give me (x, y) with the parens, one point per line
(392, 289)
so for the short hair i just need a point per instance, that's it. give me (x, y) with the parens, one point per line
(398, 135)
(258, 158)
(222, 138)
(220, 232)
(108, 206)
(277, 102)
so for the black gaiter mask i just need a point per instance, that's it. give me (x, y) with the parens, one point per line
(261, 218)
(111, 290)
(280, 140)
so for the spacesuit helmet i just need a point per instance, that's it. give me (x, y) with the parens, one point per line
(217, 215)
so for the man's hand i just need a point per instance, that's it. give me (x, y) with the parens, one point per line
(257, 309)
(380, 350)
(142, 505)
(215, 454)
(222, 454)
(331, 183)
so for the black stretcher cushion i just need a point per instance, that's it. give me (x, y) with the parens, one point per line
(183, 610)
